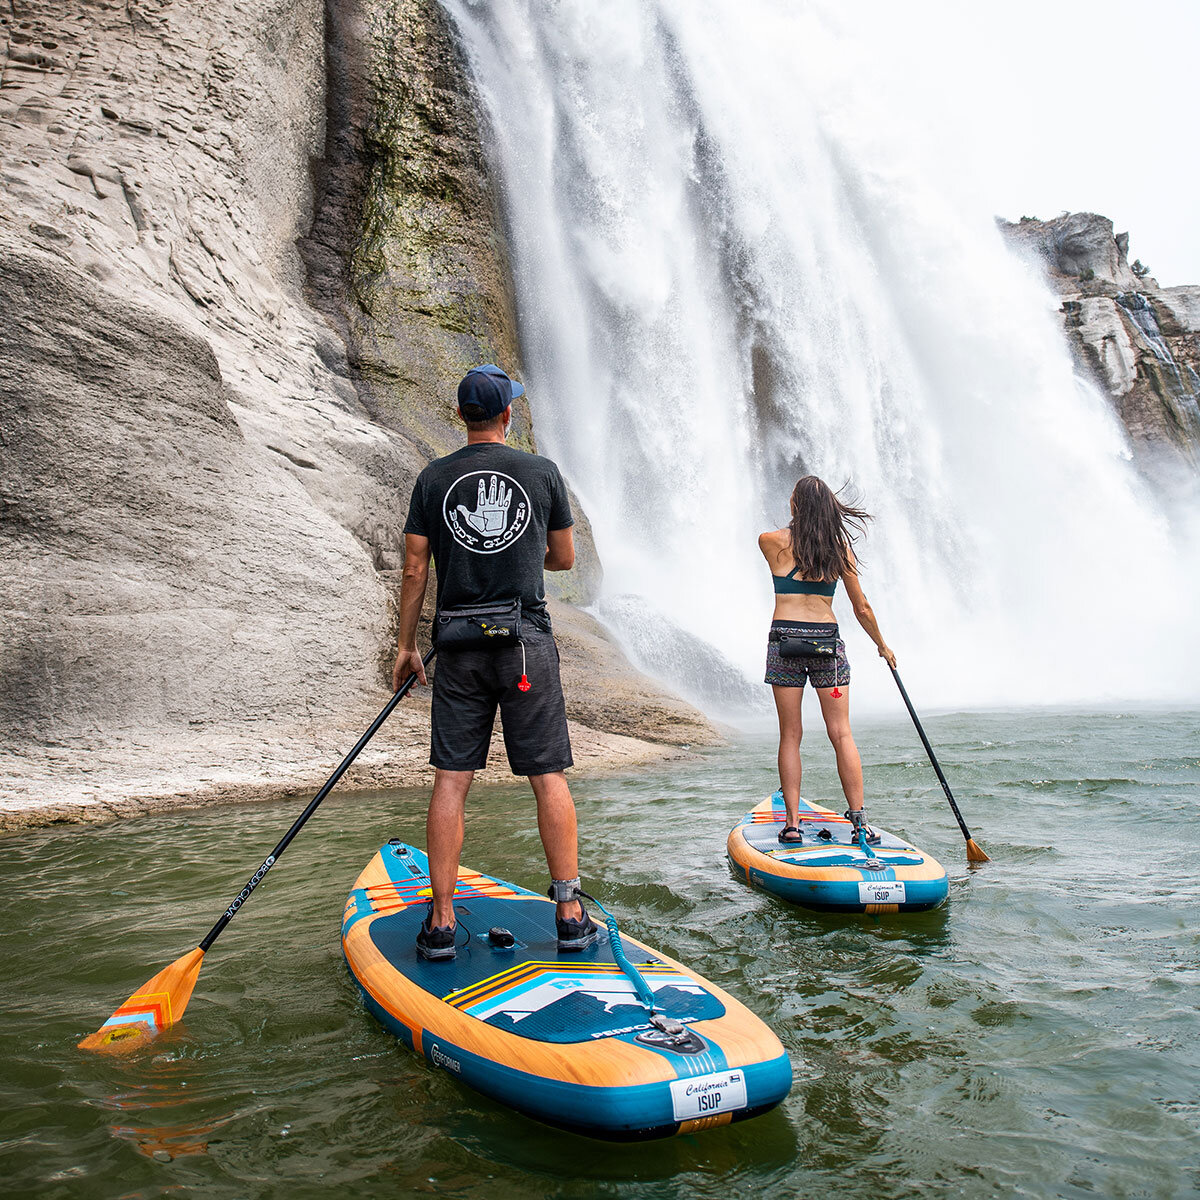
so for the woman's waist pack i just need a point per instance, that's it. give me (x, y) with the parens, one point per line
(797, 645)
(479, 626)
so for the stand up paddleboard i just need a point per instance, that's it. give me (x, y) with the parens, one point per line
(561, 1037)
(829, 870)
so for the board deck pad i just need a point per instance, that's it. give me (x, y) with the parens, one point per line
(842, 848)
(533, 1026)
(531, 989)
(829, 869)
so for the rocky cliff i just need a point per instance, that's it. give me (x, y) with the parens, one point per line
(1140, 343)
(246, 249)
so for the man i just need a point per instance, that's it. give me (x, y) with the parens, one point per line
(493, 518)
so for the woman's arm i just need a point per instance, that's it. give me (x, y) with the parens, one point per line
(865, 613)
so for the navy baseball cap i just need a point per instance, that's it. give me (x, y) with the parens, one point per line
(488, 388)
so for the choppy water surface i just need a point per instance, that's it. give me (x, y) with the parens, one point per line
(1035, 1037)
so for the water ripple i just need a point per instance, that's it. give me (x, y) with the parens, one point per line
(1037, 1036)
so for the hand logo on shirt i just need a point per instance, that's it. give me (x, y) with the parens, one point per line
(491, 510)
(502, 511)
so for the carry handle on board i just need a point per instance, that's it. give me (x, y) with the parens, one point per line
(974, 853)
(160, 1002)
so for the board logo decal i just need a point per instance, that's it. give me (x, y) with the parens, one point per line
(708, 1095)
(486, 511)
(440, 1059)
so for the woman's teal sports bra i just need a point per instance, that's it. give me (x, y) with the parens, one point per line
(789, 585)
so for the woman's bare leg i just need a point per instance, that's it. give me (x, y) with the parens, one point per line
(787, 705)
(837, 724)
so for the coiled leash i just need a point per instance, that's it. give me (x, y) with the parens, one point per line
(658, 1018)
(860, 835)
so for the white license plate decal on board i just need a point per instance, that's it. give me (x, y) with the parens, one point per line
(886, 891)
(708, 1095)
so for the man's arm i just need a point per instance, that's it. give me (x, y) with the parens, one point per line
(413, 582)
(560, 549)
(560, 538)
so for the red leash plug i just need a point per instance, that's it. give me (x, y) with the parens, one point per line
(524, 685)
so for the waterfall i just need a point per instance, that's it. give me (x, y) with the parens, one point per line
(732, 268)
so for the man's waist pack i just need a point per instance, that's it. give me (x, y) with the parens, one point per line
(479, 626)
(796, 645)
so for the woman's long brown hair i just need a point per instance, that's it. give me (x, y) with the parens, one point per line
(822, 531)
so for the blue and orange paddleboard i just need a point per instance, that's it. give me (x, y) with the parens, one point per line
(560, 1037)
(829, 871)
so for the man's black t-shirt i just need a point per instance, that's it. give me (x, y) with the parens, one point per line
(486, 510)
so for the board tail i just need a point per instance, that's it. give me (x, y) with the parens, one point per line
(155, 1006)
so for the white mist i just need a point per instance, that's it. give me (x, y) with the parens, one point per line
(735, 264)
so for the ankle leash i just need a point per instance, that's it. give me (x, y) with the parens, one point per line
(563, 891)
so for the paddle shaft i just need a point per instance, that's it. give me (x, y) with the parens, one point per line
(313, 805)
(912, 712)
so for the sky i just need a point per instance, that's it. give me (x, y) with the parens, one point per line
(1058, 105)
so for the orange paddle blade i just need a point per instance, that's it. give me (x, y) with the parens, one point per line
(155, 1006)
(974, 854)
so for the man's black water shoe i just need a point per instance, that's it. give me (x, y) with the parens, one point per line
(436, 942)
(576, 935)
(786, 837)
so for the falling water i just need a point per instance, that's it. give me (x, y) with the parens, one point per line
(732, 268)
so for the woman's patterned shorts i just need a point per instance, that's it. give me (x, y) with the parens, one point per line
(822, 672)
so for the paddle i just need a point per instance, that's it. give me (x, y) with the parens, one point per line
(160, 1001)
(974, 853)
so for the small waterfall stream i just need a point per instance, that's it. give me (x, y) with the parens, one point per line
(731, 271)
(1141, 312)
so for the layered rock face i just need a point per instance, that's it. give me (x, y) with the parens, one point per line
(187, 480)
(158, 573)
(1139, 342)
(208, 438)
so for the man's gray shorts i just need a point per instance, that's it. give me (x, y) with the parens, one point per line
(469, 685)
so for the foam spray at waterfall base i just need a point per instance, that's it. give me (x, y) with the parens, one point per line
(731, 270)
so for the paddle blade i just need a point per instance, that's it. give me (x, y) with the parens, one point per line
(155, 1006)
(974, 853)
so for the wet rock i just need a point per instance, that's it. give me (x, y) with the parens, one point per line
(1180, 307)
(603, 691)
(1076, 246)
(1138, 342)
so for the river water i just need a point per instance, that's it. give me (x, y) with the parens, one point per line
(1037, 1036)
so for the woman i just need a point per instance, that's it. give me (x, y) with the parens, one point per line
(807, 559)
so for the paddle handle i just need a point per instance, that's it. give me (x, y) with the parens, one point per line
(313, 805)
(912, 712)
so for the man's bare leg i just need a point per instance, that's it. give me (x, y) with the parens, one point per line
(556, 824)
(444, 839)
